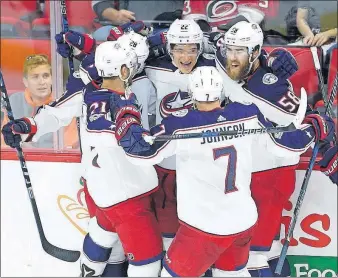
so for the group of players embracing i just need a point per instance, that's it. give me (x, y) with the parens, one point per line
(205, 206)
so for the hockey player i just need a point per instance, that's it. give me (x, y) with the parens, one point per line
(120, 190)
(249, 80)
(169, 74)
(215, 207)
(59, 113)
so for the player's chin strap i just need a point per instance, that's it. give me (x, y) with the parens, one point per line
(248, 72)
(127, 91)
(296, 124)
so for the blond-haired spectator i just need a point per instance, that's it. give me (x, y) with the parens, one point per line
(37, 78)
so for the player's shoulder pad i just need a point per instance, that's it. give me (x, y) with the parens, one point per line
(93, 94)
(179, 120)
(161, 63)
(194, 118)
(219, 58)
(266, 85)
(235, 110)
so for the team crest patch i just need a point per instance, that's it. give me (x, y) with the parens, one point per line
(176, 102)
(269, 79)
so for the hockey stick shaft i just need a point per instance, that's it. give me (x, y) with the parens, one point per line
(299, 203)
(328, 109)
(62, 254)
(65, 29)
(226, 133)
(332, 97)
(319, 74)
(292, 127)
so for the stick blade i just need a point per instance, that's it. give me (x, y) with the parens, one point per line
(61, 254)
(301, 109)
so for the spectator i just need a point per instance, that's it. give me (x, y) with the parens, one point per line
(124, 11)
(308, 25)
(37, 78)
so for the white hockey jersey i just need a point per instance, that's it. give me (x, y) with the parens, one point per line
(214, 174)
(60, 113)
(111, 179)
(171, 90)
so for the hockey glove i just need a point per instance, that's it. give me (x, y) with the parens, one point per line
(329, 163)
(323, 126)
(11, 131)
(122, 108)
(157, 45)
(282, 63)
(136, 26)
(82, 44)
(129, 134)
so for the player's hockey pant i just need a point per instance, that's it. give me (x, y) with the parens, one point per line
(136, 225)
(271, 191)
(103, 253)
(164, 204)
(192, 252)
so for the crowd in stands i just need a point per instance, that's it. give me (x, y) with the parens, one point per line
(30, 20)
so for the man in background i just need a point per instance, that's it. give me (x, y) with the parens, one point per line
(37, 78)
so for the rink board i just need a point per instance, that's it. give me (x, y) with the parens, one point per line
(59, 197)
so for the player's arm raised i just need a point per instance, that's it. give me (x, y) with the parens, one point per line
(130, 133)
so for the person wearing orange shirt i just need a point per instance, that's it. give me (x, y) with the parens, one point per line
(37, 78)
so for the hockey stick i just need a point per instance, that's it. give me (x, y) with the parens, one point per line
(332, 97)
(303, 189)
(300, 199)
(65, 29)
(292, 127)
(61, 254)
(319, 74)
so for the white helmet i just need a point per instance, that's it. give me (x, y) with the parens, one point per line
(205, 84)
(139, 44)
(245, 34)
(110, 56)
(184, 32)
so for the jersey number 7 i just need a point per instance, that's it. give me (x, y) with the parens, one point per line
(230, 177)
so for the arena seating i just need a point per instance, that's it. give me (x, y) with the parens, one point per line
(12, 27)
(82, 21)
